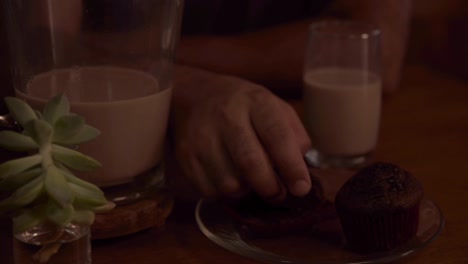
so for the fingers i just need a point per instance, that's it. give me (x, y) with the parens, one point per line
(242, 149)
(193, 169)
(251, 160)
(207, 165)
(244, 140)
(220, 170)
(284, 142)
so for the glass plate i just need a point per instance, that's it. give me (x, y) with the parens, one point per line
(219, 227)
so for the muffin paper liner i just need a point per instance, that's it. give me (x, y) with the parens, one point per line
(366, 232)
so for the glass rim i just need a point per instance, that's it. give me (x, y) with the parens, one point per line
(363, 30)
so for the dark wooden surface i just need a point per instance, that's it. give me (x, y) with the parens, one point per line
(424, 129)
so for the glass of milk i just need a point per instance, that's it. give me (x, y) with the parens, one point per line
(342, 93)
(113, 60)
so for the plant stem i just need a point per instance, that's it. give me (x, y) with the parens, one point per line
(49, 248)
(46, 252)
(46, 153)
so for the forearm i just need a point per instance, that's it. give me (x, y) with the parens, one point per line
(272, 57)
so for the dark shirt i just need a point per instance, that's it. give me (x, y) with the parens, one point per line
(235, 16)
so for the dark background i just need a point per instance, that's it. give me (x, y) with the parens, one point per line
(439, 39)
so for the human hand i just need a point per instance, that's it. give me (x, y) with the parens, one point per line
(232, 136)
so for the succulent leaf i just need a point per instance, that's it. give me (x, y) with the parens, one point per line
(83, 217)
(60, 215)
(67, 126)
(85, 198)
(56, 108)
(23, 196)
(75, 180)
(16, 166)
(41, 131)
(105, 208)
(57, 187)
(29, 218)
(38, 114)
(74, 159)
(85, 134)
(13, 182)
(20, 110)
(15, 141)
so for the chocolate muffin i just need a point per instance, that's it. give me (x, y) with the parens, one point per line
(378, 207)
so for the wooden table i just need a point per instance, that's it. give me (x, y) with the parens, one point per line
(424, 129)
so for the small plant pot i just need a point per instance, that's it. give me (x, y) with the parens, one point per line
(45, 244)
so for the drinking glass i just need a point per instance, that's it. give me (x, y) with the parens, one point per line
(342, 93)
(113, 60)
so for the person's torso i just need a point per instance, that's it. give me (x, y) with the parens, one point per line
(234, 16)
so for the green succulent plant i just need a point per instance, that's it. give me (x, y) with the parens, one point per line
(41, 186)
